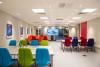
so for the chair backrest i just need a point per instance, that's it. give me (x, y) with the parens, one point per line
(90, 42)
(67, 41)
(25, 56)
(31, 37)
(12, 43)
(75, 41)
(5, 57)
(40, 38)
(23, 43)
(42, 56)
(34, 43)
(45, 37)
(44, 43)
(83, 41)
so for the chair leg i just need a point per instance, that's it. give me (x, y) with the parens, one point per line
(63, 48)
(94, 49)
(71, 49)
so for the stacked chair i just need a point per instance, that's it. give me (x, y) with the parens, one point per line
(6, 59)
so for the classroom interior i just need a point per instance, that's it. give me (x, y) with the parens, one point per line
(49, 33)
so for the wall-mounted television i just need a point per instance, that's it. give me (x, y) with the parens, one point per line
(52, 31)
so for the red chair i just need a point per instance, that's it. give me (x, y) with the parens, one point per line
(40, 38)
(31, 37)
(34, 37)
(83, 43)
(45, 37)
(67, 43)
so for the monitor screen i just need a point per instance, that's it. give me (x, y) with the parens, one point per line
(52, 31)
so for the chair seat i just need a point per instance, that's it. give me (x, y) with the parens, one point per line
(29, 64)
(12, 62)
(43, 63)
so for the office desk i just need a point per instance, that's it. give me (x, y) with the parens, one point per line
(14, 51)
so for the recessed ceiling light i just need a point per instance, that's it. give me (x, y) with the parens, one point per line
(43, 17)
(1, 2)
(76, 18)
(88, 10)
(38, 10)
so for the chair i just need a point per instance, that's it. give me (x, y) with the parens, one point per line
(22, 43)
(25, 57)
(34, 43)
(90, 44)
(45, 37)
(12, 43)
(75, 43)
(44, 43)
(5, 58)
(42, 57)
(83, 43)
(31, 37)
(40, 38)
(67, 43)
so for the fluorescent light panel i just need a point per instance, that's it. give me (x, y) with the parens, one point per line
(88, 10)
(38, 10)
(43, 17)
(76, 18)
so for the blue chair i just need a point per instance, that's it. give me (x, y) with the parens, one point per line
(75, 43)
(12, 43)
(34, 43)
(42, 57)
(90, 44)
(5, 58)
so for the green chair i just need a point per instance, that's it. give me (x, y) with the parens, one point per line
(25, 57)
(44, 43)
(22, 43)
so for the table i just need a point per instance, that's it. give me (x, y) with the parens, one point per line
(14, 51)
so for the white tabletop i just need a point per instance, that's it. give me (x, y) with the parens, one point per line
(14, 50)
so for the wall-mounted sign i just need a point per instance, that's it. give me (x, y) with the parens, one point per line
(9, 30)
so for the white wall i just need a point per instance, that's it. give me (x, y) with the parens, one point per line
(73, 31)
(16, 23)
(93, 30)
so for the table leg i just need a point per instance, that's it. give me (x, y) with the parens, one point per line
(51, 61)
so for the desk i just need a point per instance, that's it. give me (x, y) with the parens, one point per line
(14, 51)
